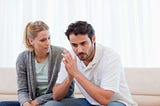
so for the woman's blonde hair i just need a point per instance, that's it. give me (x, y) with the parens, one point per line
(31, 31)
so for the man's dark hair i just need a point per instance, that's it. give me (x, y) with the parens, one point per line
(80, 27)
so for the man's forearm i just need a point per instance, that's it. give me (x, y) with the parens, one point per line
(60, 90)
(100, 95)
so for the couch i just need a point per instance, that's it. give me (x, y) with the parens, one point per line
(144, 84)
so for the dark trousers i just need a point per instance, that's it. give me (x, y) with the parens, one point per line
(9, 103)
(64, 102)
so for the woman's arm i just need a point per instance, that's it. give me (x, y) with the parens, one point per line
(23, 95)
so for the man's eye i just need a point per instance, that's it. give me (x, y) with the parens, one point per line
(83, 43)
(74, 45)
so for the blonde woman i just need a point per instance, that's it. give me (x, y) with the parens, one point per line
(37, 67)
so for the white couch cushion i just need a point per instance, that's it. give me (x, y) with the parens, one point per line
(144, 84)
(147, 100)
(143, 80)
(9, 89)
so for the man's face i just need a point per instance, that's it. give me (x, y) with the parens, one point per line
(82, 45)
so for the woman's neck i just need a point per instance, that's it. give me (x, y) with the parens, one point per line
(41, 57)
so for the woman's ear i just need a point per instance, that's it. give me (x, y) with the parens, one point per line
(31, 41)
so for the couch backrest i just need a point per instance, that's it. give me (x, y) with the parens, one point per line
(143, 81)
(140, 80)
(8, 81)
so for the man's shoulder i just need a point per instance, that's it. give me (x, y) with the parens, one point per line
(107, 51)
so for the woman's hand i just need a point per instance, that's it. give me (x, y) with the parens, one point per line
(34, 102)
(27, 104)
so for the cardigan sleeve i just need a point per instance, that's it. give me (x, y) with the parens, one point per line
(46, 97)
(23, 95)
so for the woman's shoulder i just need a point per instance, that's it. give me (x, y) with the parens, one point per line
(23, 56)
(57, 48)
(24, 53)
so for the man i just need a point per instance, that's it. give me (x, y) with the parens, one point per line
(96, 69)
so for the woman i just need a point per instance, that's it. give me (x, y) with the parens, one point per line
(38, 67)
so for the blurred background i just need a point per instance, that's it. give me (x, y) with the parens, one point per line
(130, 27)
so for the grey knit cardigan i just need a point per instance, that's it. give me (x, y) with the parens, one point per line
(26, 76)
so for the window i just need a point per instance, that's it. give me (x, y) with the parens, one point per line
(131, 27)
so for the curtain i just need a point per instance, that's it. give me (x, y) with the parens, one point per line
(130, 27)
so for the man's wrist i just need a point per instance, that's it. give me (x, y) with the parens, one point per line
(69, 79)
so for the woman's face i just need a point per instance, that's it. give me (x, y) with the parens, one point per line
(41, 43)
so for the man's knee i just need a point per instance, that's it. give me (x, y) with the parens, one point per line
(54, 103)
(69, 102)
(115, 103)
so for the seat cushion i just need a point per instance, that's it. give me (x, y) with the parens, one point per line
(147, 100)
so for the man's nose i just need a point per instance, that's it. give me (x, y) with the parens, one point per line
(80, 49)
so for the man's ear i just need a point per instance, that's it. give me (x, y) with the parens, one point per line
(94, 39)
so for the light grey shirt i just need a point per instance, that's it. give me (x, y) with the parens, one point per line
(42, 76)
